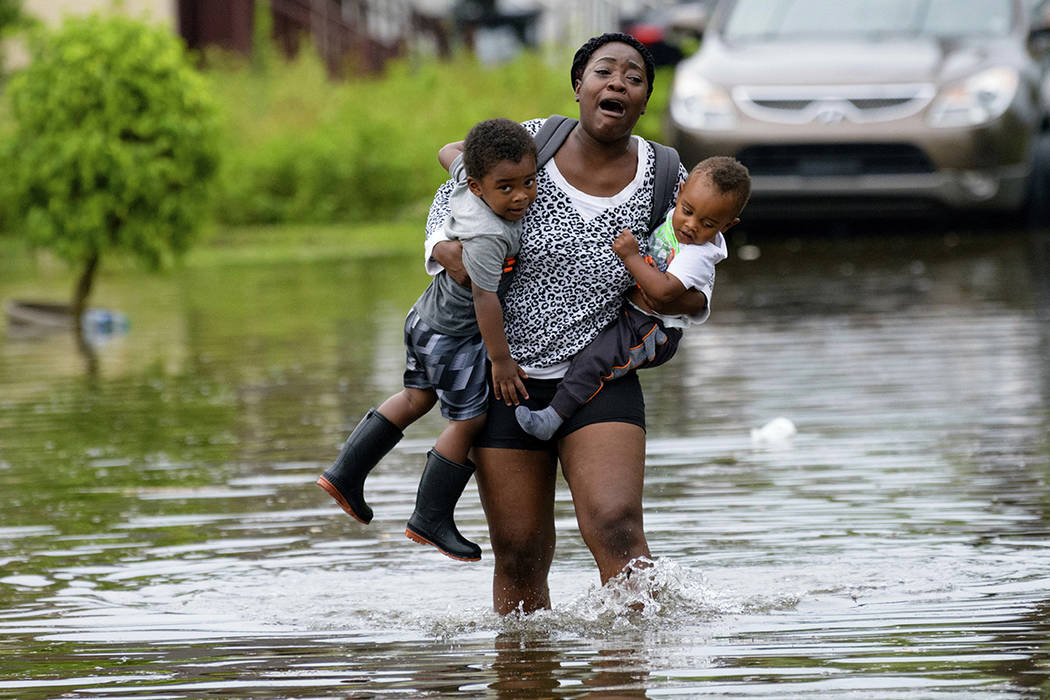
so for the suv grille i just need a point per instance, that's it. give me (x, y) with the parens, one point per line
(860, 104)
(815, 160)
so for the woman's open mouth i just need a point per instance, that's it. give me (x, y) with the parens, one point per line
(613, 106)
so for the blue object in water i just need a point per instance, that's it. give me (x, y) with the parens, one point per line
(104, 322)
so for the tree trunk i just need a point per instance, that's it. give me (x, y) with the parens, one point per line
(82, 291)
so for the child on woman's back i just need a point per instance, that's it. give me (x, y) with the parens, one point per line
(448, 332)
(683, 253)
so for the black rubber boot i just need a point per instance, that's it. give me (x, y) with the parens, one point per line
(344, 481)
(431, 523)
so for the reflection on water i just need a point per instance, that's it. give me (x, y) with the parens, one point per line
(162, 536)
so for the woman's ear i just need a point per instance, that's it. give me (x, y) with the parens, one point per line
(576, 89)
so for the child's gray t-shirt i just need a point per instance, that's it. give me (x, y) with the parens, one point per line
(447, 306)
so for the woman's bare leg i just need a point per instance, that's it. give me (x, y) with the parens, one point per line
(517, 492)
(604, 464)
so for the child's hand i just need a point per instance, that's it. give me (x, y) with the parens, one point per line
(506, 381)
(625, 244)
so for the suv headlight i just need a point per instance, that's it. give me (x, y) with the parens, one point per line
(976, 100)
(697, 103)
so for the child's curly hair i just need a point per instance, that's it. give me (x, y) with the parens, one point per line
(728, 175)
(493, 140)
(584, 53)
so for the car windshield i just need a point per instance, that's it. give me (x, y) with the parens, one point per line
(770, 20)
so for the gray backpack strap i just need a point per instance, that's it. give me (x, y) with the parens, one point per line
(551, 136)
(666, 183)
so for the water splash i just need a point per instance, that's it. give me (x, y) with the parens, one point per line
(652, 597)
(648, 593)
(649, 596)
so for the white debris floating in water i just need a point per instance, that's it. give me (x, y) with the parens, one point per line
(778, 430)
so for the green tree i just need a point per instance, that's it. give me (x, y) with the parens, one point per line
(114, 147)
(10, 14)
(11, 17)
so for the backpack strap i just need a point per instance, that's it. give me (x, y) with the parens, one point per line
(666, 181)
(556, 129)
(551, 136)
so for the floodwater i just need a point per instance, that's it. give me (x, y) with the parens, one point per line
(162, 536)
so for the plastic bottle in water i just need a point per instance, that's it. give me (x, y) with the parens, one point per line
(103, 322)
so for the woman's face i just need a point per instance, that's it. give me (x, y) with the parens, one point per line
(612, 91)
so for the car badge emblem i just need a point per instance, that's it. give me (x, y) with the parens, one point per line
(831, 114)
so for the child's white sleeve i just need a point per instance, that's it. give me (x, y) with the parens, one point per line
(694, 268)
(439, 213)
(443, 207)
(433, 266)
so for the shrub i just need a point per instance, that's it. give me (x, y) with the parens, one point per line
(303, 148)
(11, 17)
(114, 144)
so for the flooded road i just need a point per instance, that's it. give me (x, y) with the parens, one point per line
(162, 536)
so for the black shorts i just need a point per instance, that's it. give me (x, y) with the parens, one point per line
(621, 401)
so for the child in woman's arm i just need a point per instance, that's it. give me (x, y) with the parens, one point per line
(447, 334)
(684, 251)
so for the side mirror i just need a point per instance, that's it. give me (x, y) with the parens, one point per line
(1040, 26)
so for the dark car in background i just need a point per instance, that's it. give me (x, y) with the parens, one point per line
(671, 31)
(883, 106)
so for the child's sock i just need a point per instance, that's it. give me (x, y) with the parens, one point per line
(542, 423)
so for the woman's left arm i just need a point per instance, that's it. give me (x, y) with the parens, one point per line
(690, 303)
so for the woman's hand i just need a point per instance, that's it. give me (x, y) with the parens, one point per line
(449, 255)
(506, 381)
(625, 244)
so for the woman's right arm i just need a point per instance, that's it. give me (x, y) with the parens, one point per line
(442, 253)
(449, 254)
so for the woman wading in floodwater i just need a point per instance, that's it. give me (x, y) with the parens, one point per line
(568, 285)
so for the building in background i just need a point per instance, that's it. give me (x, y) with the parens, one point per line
(367, 33)
(362, 32)
(51, 12)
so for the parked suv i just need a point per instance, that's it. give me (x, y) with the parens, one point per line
(886, 106)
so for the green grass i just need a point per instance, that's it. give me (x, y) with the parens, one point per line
(250, 245)
(302, 242)
(302, 148)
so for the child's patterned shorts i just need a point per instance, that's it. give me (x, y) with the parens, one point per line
(454, 366)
